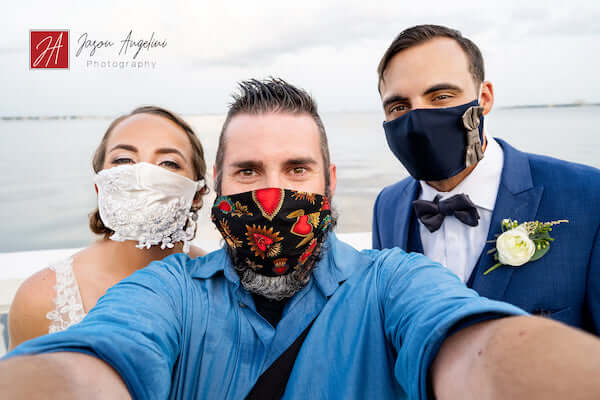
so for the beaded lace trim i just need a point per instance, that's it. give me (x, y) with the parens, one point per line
(147, 215)
(69, 307)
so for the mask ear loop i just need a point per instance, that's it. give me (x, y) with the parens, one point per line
(192, 225)
(190, 231)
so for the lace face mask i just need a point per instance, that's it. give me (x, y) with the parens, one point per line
(147, 203)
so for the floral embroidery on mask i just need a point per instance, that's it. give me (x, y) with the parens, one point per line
(307, 252)
(240, 210)
(303, 226)
(269, 201)
(310, 197)
(325, 223)
(224, 204)
(263, 241)
(325, 204)
(254, 266)
(280, 266)
(231, 240)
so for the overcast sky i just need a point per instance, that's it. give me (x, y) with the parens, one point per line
(535, 51)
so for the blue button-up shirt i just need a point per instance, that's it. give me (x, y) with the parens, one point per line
(184, 328)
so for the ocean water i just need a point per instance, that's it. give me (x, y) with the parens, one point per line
(46, 189)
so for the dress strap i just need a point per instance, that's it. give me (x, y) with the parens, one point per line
(69, 307)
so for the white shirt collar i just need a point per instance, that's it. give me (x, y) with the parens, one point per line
(479, 185)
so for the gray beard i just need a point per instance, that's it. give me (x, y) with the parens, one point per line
(274, 287)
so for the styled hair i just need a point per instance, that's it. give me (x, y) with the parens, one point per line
(271, 95)
(422, 33)
(198, 162)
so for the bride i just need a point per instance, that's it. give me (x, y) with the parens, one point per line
(150, 182)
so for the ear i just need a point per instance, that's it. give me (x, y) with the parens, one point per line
(332, 180)
(486, 99)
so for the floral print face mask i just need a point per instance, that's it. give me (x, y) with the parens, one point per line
(273, 231)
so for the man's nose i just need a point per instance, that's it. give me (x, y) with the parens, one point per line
(273, 180)
(419, 103)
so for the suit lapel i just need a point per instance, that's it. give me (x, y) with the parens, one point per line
(517, 199)
(405, 211)
(414, 243)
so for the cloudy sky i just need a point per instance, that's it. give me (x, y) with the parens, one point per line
(535, 51)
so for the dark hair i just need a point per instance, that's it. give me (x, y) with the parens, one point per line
(421, 33)
(271, 95)
(198, 163)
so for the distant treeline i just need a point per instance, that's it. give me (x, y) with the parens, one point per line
(71, 117)
(563, 105)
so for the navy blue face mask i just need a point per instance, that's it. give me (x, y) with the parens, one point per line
(435, 144)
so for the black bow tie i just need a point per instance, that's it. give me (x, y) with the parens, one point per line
(432, 213)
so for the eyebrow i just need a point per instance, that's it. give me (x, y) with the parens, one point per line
(440, 86)
(170, 150)
(394, 99)
(247, 164)
(133, 149)
(301, 161)
(127, 147)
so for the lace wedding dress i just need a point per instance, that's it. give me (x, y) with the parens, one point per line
(69, 307)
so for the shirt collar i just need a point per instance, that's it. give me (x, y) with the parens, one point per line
(477, 184)
(336, 265)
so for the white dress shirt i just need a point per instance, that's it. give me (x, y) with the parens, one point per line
(455, 245)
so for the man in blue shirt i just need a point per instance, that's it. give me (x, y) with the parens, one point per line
(374, 324)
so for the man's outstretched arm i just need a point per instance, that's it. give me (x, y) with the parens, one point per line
(60, 376)
(133, 331)
(518, 358)
(459, 345)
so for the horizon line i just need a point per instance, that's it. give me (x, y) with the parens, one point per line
(105, 116)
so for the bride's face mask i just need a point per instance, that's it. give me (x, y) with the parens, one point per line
(147, 203)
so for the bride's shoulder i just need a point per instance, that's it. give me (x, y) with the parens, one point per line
(33, 299)
(38, 291)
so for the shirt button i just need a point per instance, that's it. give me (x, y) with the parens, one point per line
(242, 304)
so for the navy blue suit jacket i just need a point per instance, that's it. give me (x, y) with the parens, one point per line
(565, 283)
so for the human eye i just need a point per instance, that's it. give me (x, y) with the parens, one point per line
(442, 97)
(246, 172)
(122, 160)
(170, 164)
(398, 108)
(298, 171)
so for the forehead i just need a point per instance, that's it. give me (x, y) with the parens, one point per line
(271, 137)
(439, 60)
(149, 131)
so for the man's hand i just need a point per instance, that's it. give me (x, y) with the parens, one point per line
(60, 376)
(518, 358)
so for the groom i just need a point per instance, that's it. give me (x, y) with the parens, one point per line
(464, 183)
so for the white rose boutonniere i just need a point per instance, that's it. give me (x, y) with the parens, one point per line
(519, 244)
(514, 247)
